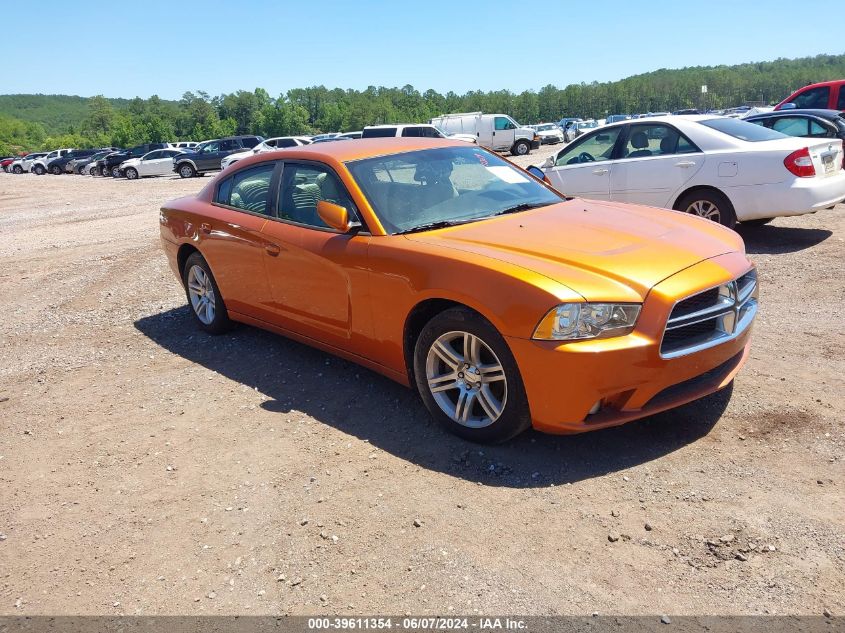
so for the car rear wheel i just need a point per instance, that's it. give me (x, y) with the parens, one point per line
(468, 378)
(520, 148)
(131, 173)
(710, 204)
(186, 170)
(204, 296)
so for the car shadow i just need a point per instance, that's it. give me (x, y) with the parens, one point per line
(295, 377)
(773, 240)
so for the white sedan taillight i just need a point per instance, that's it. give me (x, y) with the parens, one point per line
(800, 163)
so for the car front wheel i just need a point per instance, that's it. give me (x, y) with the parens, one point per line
(468, 379)
(204, 296)
(520, 148)
(17, 169)
(131, 173)
(39, 170)
(186, 170)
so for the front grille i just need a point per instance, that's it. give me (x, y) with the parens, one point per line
(711, 317)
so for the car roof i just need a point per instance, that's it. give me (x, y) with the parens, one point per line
(827, 114)
(344, 151)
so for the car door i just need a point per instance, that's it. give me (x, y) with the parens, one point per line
(655, 162)
(583, 167)
(231, 240)
(146, 166)
(317, 276)
(162, 165)
(503, 133)
(207, 156)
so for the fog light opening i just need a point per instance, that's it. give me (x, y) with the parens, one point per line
(595, 408)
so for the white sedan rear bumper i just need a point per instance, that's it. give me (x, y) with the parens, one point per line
(793, 197)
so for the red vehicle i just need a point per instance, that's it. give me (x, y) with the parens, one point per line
(827, 95)
(5, 162)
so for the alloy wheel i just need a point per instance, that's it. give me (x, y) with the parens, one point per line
(705, 209)
(466, 379)
(201, 293)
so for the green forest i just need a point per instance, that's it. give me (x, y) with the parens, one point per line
(32, 122)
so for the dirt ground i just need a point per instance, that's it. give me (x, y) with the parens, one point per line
(146, 468)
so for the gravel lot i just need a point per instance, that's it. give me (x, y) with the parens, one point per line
(146, 468)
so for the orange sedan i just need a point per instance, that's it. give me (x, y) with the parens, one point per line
(446, 268)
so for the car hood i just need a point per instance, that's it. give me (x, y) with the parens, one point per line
(600, 250)
(131, 161)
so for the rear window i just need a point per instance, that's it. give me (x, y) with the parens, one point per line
(743, 130)
(377, 132)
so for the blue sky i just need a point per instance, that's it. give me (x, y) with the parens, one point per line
(167, 47)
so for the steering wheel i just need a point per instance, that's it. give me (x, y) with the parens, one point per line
(584, 157)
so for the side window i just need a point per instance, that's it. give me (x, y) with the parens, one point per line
(249, 189)
(503, 123)
(305, 185)
(595, 147)
(818, 130)
(229, 144)
(285, 142)
(840, 102)
(413, 131)
(210, 148)
(153, 156)
(813, 98)
(656, 140)
(791, 126)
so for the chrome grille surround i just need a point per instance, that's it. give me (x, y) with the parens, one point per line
(724, 315)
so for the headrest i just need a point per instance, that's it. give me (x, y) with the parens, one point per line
(667, 144)
(639, 140)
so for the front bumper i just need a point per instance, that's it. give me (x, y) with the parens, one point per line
(626, 375)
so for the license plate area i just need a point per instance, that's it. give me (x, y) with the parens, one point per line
(829, 165)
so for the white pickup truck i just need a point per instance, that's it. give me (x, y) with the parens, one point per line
(498, 132)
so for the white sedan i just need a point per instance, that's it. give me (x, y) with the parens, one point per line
(720, 168)
(158, 162)
(548, 132)
(271, 144)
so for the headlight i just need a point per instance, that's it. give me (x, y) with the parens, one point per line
(574, 321)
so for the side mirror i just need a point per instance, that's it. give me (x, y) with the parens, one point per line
(549, 162)
(336, 216)
(788, 106)
(536, 172)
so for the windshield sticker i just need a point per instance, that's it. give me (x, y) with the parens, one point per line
(507, 174)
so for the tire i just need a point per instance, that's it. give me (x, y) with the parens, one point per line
(115, 171)
(757, 222)
(17, 169)
(521, 148)
(80, 170)
(498, 407)
(131, 173)
(55, 171)
(39, 170)
(104, 171)
(93, 171)
(204, 296)
(710, 204)
(186, 170)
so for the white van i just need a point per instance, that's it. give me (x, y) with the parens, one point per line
(498, 132)
(425, 130)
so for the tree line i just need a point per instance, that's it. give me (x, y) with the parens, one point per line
(199, 116)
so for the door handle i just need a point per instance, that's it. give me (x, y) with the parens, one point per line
(600, 171)
(685, 164)
(272, 249)
(205, 228)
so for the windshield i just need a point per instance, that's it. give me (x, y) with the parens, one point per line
(446, 185)
(587, 125)
(743, 130)
(543, 128)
